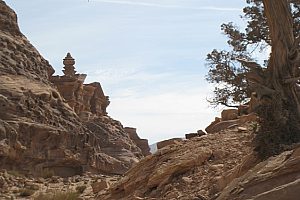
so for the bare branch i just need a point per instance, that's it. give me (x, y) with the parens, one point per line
(250, 64)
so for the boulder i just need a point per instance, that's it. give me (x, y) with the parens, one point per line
(215, 127)
(168, 142)
(100, 185)
(192, 135)
(229, 114)
(276, 178)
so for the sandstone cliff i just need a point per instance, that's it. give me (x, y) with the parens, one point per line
(58, 125)
(41, 127)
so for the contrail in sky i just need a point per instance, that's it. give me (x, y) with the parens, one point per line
(134, 3)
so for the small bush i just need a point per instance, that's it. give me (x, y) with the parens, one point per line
(58, 196)
(80, 189)
(278, 131)
(26, 192)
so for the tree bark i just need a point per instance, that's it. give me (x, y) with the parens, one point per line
(281, 68)
(279, 108)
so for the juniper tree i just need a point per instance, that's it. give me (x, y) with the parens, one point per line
(228, 74)
(271, 24)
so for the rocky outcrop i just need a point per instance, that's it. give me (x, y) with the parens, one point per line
(141, 143)
(220, 166)
(15, 185)
(18, 56)
(219, 124)
(190, 169)
(168, 142)
(85, 99)
(276, 178)
(60, 127)
(192, 135)
(229, 114)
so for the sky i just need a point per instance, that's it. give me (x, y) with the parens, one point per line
(148, 55)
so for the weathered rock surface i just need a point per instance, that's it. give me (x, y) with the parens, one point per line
(18, 56)
(100, 185)
(219, 125)
(220, 166)
(14, 185)
(192, 135)
(87, 100)
(190, 169)
(229, 114)
(168, 142)
(40, 127)
(276, 178)
(141, 143)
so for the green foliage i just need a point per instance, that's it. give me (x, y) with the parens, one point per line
(279, 126)
(80, 189)
(58, 196)
(275, 133)
(230, 76)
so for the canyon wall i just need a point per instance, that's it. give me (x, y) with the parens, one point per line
(54, 123)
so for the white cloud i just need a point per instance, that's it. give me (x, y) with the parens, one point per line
(135, 3)
(165, 115)
(116, 75)
(147, 60)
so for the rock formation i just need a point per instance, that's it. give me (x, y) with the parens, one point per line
(168, 142)
(58, 125)
(141, 143)
(228, 121)
(15, 185)
(276, 178)
(192, 135)
(190, 169)
(220, 166)
(229, 114)
(84, 99)
(54, 123)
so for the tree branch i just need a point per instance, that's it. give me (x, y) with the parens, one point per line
(250, 64)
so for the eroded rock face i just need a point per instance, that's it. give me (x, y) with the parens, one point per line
(40, 129)
(16, 52)
(276, 178)
(85, 99)
(229, 114)
(168, 142)
(192, 135)
(190, 169)
(219, 125)
(13, 184)
(141, 143)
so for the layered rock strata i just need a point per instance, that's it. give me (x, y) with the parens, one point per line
(141, 143)
(186, 169)
(54, 127)
(84, 99)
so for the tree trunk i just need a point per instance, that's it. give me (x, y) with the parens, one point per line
(280, 109)
(280, 66)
